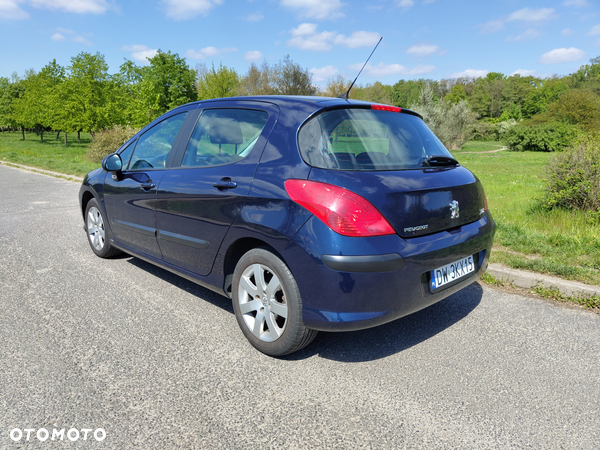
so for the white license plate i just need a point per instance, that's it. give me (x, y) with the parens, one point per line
(450, 272)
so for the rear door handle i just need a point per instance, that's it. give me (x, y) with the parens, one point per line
(148, 185)
(225, 183)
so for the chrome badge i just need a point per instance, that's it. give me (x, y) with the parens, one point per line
(454, 210)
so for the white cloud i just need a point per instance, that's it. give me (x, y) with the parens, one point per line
(523, 72)
(140, 53)
(9, 9)
(188, 9)
(384, 70)
(256, 17)
(315, 9)
(470, 73)
(568, 32)
(406, 4)
(323, 74)
(306, 37)
(595, 31)
(562, 55)
(526, 36)
(358, 39)
(64, 34)
(253, 55)
(73, 6)
(533, 15)
(423, 50)
(208, 52)
(492, 26)
(576, 3)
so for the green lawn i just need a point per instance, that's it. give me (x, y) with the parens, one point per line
(52, 154)
(560, 243)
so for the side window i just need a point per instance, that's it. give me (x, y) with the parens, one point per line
(155, 144)
(223, 136)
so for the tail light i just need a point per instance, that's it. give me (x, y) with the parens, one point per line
(341, 210)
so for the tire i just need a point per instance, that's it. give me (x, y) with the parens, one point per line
(98, 236)
(267, 304)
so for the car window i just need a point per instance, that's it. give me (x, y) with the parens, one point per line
(360, 139)
(223, 136)
(155, 144)
(126, 153)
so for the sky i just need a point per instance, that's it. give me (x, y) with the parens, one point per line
(433, 39)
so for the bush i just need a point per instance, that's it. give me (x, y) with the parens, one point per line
(109, 141)
(574, 178)
(543, 137)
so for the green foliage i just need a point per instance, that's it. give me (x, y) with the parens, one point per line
(452, 124)
(166, 83)
(109, 141)
(284, 78)
(576, 107)
(574, 178)
(545, 137)
(220, 83)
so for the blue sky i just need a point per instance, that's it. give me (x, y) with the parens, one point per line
(421, 38)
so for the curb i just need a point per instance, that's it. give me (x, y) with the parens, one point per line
(527, 280)
(42, 171)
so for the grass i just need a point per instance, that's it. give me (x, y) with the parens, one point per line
(562, 243)
(559, 242)
(52, 154)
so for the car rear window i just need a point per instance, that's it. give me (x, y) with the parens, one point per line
(364, 139)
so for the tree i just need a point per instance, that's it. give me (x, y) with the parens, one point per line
(36, 107)
(224, 82)
(166, 83)
(258, 81)
(291, 79)
(335, 86)
(12, 90)
(546, 91)
(457, 94)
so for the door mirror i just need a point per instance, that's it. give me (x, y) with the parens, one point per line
(112, 163)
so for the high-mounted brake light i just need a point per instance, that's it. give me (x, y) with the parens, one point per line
(386, 108)
(341, 210)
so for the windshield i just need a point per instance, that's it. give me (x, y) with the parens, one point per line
(364, 139)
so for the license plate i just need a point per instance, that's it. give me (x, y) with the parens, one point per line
(450, 272)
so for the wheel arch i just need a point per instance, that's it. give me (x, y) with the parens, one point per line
(234, 253)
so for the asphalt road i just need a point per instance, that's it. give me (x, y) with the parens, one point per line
(155, 362)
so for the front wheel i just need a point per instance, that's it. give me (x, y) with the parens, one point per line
(267, 304)
(97, 232)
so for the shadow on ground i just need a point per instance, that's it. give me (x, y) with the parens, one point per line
(354, 346)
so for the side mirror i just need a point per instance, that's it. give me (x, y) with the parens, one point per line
(112, 163)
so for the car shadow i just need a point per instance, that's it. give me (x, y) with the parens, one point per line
(354, 346)
(394, 337)
(184, 284)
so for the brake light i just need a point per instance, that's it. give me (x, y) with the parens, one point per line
(386, 108)
(342, 210)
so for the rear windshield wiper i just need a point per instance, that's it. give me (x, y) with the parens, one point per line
(438, 161)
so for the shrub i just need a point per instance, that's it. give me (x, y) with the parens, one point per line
(574, 178)
(543, 137)
(109, 141)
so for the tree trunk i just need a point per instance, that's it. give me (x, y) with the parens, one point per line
(23, 131)
(78, 135)
(65, 139)
(57, 135)
(42, 136)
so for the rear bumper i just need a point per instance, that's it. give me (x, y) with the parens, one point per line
(355, 283)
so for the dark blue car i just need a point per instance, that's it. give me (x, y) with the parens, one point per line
(310, 213)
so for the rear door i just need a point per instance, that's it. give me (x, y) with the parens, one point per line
(198, 201)
(130, 197)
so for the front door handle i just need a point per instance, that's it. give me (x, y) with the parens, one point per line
(225, 183)
(148, 185)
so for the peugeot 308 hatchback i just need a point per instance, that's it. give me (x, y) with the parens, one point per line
(310, 213)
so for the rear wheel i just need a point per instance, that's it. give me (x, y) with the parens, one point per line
(97, 232)
(267, 304)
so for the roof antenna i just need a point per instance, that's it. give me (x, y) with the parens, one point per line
(347, 93)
